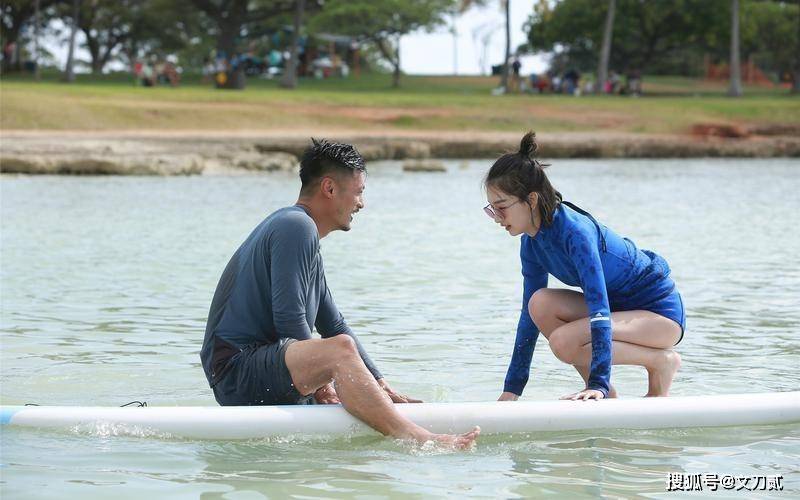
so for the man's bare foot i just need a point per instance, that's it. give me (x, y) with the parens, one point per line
(451, 441)
(660, 377)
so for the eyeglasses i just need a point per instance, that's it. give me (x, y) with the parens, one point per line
(497, 212)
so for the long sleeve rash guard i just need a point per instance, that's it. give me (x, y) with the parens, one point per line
(273, 287)
(580, 252)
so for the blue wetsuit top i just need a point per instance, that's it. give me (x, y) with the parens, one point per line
(612, 272)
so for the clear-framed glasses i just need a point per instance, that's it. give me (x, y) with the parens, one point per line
(497, 212)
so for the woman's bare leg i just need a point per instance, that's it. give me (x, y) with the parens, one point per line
(555, 308)
(640, 338)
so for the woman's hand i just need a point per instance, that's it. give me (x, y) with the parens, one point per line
(508, 396)
(584, 395)
(395, 397)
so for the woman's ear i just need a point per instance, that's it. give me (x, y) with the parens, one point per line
(533, 198)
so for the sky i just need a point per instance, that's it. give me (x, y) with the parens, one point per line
(479, 31)
(471, 27)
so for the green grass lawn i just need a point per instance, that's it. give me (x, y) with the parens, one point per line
(114, 102)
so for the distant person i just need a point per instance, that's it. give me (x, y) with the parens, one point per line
(208, 70)
(634, 83)
(258, 348)
(628, 312)
(542, 83)
(516, 66)
(571, 78)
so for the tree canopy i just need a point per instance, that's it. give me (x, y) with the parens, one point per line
(664, 36)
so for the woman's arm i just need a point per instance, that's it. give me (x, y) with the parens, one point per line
(583, 250)
(534, 278)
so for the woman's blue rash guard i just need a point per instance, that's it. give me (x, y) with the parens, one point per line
(611, 271)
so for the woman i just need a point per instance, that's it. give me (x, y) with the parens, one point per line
(629, 311)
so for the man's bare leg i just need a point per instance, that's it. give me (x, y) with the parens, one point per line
(314, 363)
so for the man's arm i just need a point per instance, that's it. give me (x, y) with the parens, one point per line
(292, 249)
(330, 323)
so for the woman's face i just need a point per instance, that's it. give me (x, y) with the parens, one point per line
(512, 213)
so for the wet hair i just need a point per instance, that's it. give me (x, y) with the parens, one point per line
(520, 174)
(325, 158)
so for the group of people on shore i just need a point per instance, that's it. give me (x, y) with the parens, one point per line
(258, 347)
(155, 70)
(571, 82)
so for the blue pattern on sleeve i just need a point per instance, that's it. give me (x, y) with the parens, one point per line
(534, 278)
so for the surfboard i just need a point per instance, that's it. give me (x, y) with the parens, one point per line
(251, 422)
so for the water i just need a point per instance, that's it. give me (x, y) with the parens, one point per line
(106, 282)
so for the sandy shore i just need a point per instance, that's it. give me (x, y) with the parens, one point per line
(192, 152)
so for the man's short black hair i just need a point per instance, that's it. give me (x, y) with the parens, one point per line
(323, 158)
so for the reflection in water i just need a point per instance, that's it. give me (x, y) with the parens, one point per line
(106, 284)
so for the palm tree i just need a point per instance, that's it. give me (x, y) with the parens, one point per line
(506, 4)
(69, 72)
(605, 53)
(289, 79)
(796, 72)
(735, 89)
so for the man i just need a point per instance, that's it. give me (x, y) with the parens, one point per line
(258, 348)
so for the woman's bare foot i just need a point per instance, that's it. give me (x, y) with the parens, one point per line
(660, 376)
(463, 441)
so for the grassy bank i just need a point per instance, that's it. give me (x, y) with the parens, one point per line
(671, 105)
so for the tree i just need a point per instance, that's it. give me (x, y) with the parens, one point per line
(506, 4)
(15, 15)
(382, 23)
(106, 25)
(289, 78)
(796, 62)
(646, 34)
(605, 52)
(735, 89)
(232, 17)
(69, 69)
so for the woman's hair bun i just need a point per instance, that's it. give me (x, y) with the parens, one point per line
(528, 146)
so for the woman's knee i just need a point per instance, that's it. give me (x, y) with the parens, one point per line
(540, 308)
(563, 348)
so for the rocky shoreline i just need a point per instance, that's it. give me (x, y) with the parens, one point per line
(224, 153)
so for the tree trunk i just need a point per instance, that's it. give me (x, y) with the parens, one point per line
(226, 42)
(396, 72)
(504, 79)
(605, 54)
(69, 71)
(796, 72)
(735, 89)
(37, 21)
(454, 32)
(289, 79)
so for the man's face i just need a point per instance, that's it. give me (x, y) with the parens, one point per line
(349, 198)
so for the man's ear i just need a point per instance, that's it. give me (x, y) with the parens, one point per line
(327, 186)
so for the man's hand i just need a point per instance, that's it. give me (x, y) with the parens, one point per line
(326, 395)
(584, 395)
(508, 396)
(395, 397)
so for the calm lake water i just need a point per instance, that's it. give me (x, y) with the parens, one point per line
(106, 283)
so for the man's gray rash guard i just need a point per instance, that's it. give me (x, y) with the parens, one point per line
(273, 287)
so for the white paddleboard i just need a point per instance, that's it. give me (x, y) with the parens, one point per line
(248, 422)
